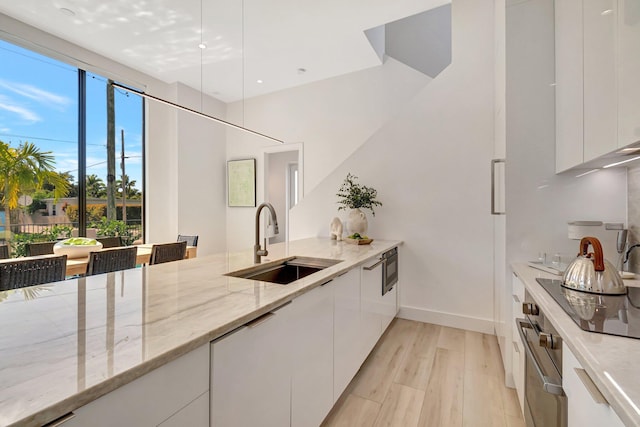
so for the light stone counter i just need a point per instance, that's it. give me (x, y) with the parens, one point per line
(613, 363)
(63, 345)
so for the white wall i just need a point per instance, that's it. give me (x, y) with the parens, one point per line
(201, 180)
(331, 118)
(428, 156)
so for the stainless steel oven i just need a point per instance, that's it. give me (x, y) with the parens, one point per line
(389, 270)
(545, 404)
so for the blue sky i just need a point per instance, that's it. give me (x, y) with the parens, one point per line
(39, 104)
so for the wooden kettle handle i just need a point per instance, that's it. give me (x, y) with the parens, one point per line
(598, 261)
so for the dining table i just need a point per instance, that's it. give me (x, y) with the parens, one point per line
(76, 266)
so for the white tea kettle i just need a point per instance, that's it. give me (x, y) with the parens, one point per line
(590, 272)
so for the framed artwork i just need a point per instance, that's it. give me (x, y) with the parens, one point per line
(241, 181)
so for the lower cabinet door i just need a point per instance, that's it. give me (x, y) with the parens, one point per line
(371, 314)
(389, 307)
(152, 398)
(195, 414)
(250, 374)
(346, 330)
(586, 406)
(312, 356)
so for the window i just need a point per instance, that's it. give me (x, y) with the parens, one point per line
(56, 116)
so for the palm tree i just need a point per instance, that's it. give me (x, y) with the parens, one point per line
(95, 186)
(132, 192)
(26, 168)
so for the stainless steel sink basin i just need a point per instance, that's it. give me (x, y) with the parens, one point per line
(284, 271)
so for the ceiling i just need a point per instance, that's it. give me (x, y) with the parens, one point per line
(282, 43)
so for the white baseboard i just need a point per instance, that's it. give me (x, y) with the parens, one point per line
(485, 326)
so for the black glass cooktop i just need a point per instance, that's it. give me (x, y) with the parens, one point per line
(606, 314)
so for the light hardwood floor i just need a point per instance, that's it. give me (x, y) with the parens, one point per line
(427, 375)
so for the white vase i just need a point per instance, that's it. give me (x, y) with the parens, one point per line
(357, 222)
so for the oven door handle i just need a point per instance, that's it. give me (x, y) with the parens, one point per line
(548, 384)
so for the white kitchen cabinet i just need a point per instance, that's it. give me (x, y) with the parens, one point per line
(155, 397)
(628, 72)
(569, 84)
(251, 374)
(312, 356)
(597, 84)
(346, 330)
(585, 404)
(389, 307)
(371, 312)
(518, 355)
(195, 414)
(600, 91)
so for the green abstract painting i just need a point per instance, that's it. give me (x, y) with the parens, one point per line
(241, 179)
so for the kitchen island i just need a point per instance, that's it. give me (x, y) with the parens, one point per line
(66, 344)
(611, 362)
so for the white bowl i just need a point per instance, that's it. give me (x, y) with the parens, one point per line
(75, 251)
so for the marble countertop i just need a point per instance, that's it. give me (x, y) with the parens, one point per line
(63, 345)
(611, 361)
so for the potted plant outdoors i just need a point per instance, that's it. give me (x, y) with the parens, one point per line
(355, 196)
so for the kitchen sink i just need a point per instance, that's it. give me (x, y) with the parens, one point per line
(284, 271)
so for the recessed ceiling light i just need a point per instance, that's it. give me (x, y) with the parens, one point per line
(67, 11)
(606, 12)
(202, 46)
(259, 81)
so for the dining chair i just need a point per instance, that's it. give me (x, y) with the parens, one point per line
(112, 259)
(39, 248)
(110, 242)
(191, 240)
(4, 251)
(167, 252)
(23, 272)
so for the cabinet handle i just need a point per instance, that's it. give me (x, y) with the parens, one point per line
(516, 299)
(59, 421)
(260, 320)
(593, 390)
(494, 162)
(515, 347)
(328, 281)
(382, 260)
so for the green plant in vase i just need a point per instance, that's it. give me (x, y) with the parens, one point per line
(354, 196)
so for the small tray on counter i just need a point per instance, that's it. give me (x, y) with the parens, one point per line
(558, 270)
(358, 241)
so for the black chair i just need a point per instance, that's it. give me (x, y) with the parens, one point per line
(191, 240)
(167, 252)
(4, 251)
(113, 259)
(40, 248)
(110, 242)
(23, 272)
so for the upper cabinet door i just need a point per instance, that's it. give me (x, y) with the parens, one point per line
(600, 80)
(569, 84)
(628, 72)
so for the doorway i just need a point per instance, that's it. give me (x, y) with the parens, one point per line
(283, 186)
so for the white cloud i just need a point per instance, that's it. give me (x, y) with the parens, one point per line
(35, 93)
(26, 114)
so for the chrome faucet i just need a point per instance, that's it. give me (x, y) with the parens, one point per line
(258, 252)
